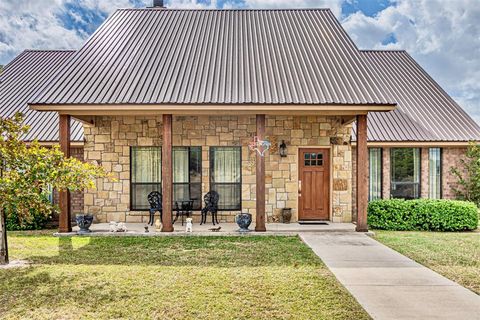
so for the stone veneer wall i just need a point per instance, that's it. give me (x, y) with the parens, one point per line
(109, 141)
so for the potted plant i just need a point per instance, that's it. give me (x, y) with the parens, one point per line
(243, 220)
(84, 221)
(286, 215)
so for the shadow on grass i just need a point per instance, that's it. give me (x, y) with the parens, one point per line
(168, 251)
(31, 288)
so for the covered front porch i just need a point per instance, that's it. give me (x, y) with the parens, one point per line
(226, 229)
(317, 147)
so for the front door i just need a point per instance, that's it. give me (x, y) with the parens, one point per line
(313, 184)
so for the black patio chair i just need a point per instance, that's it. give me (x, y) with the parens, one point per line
(211, 205)
(155, 201)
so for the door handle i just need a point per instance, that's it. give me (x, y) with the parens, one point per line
(299, 187)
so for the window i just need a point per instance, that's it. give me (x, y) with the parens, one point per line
(375, 174)
(435, 173)
(313, 159)
(225, 176)
(405, 163)
(146, 171)
(187, 175)
(50, 194)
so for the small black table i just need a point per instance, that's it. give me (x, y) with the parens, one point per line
(183, 208)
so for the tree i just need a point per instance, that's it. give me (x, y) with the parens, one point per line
(468, 175)
(29, 170)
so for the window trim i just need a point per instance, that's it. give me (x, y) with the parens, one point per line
(406, 183)
(210, 170)
(381, 173)
(441, 172)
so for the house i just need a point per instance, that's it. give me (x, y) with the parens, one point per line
(187, 101)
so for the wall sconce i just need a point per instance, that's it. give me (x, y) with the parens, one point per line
(282, 149)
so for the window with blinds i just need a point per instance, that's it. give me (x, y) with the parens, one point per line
(187, 175)
(375, 174)
(225, 176)
(405, 166)
(146, 175)
(435, 173)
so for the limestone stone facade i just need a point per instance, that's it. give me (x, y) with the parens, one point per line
(108, 142)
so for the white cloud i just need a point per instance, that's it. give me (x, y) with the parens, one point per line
(191, 4)
(443, 36)
(33, 25)
(334, 5)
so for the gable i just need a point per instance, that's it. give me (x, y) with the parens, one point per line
(152, 56)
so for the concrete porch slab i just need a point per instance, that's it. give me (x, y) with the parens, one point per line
(227, 229)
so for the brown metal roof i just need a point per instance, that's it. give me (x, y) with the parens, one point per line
(21, 79)
(151, 56)
(425, 112)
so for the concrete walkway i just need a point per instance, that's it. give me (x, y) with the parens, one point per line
(389, 285)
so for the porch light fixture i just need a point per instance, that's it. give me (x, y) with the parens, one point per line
(282, 149)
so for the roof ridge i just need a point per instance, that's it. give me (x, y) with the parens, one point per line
(383, 50)
(215, 9)
(49, 50)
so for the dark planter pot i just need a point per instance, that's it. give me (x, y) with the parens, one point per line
(243, 220)
(84, 221)
(286, 215)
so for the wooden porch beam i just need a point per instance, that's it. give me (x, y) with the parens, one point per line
(362, 174)
(260, 175)
(167, 176)
(65, 224)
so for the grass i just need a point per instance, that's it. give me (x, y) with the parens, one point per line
(454, 255)
(170, 278)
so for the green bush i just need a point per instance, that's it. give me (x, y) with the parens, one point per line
(36, 221)
(422, 214)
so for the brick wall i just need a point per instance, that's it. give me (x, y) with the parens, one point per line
(450, 158)
(76, 198)
(424, 175)
(109, 141)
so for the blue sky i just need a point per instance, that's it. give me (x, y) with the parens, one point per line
(442, 35)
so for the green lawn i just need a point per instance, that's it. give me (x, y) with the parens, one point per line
(170, 278)
(454, 255)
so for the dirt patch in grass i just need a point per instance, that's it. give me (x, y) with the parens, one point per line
(170, 278)
(455, 255)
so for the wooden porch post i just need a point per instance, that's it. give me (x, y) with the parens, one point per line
(260, 175)
(65, 224)
(362, 174)
(167, 175)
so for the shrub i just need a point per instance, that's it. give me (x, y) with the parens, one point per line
(422, 214)
(36, 221)
(467, 172)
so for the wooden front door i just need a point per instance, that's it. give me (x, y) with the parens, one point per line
(314, 184)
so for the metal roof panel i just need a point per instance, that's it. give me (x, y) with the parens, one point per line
(19, 81)
(170, 56)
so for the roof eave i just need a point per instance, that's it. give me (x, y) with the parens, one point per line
(145, 109)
